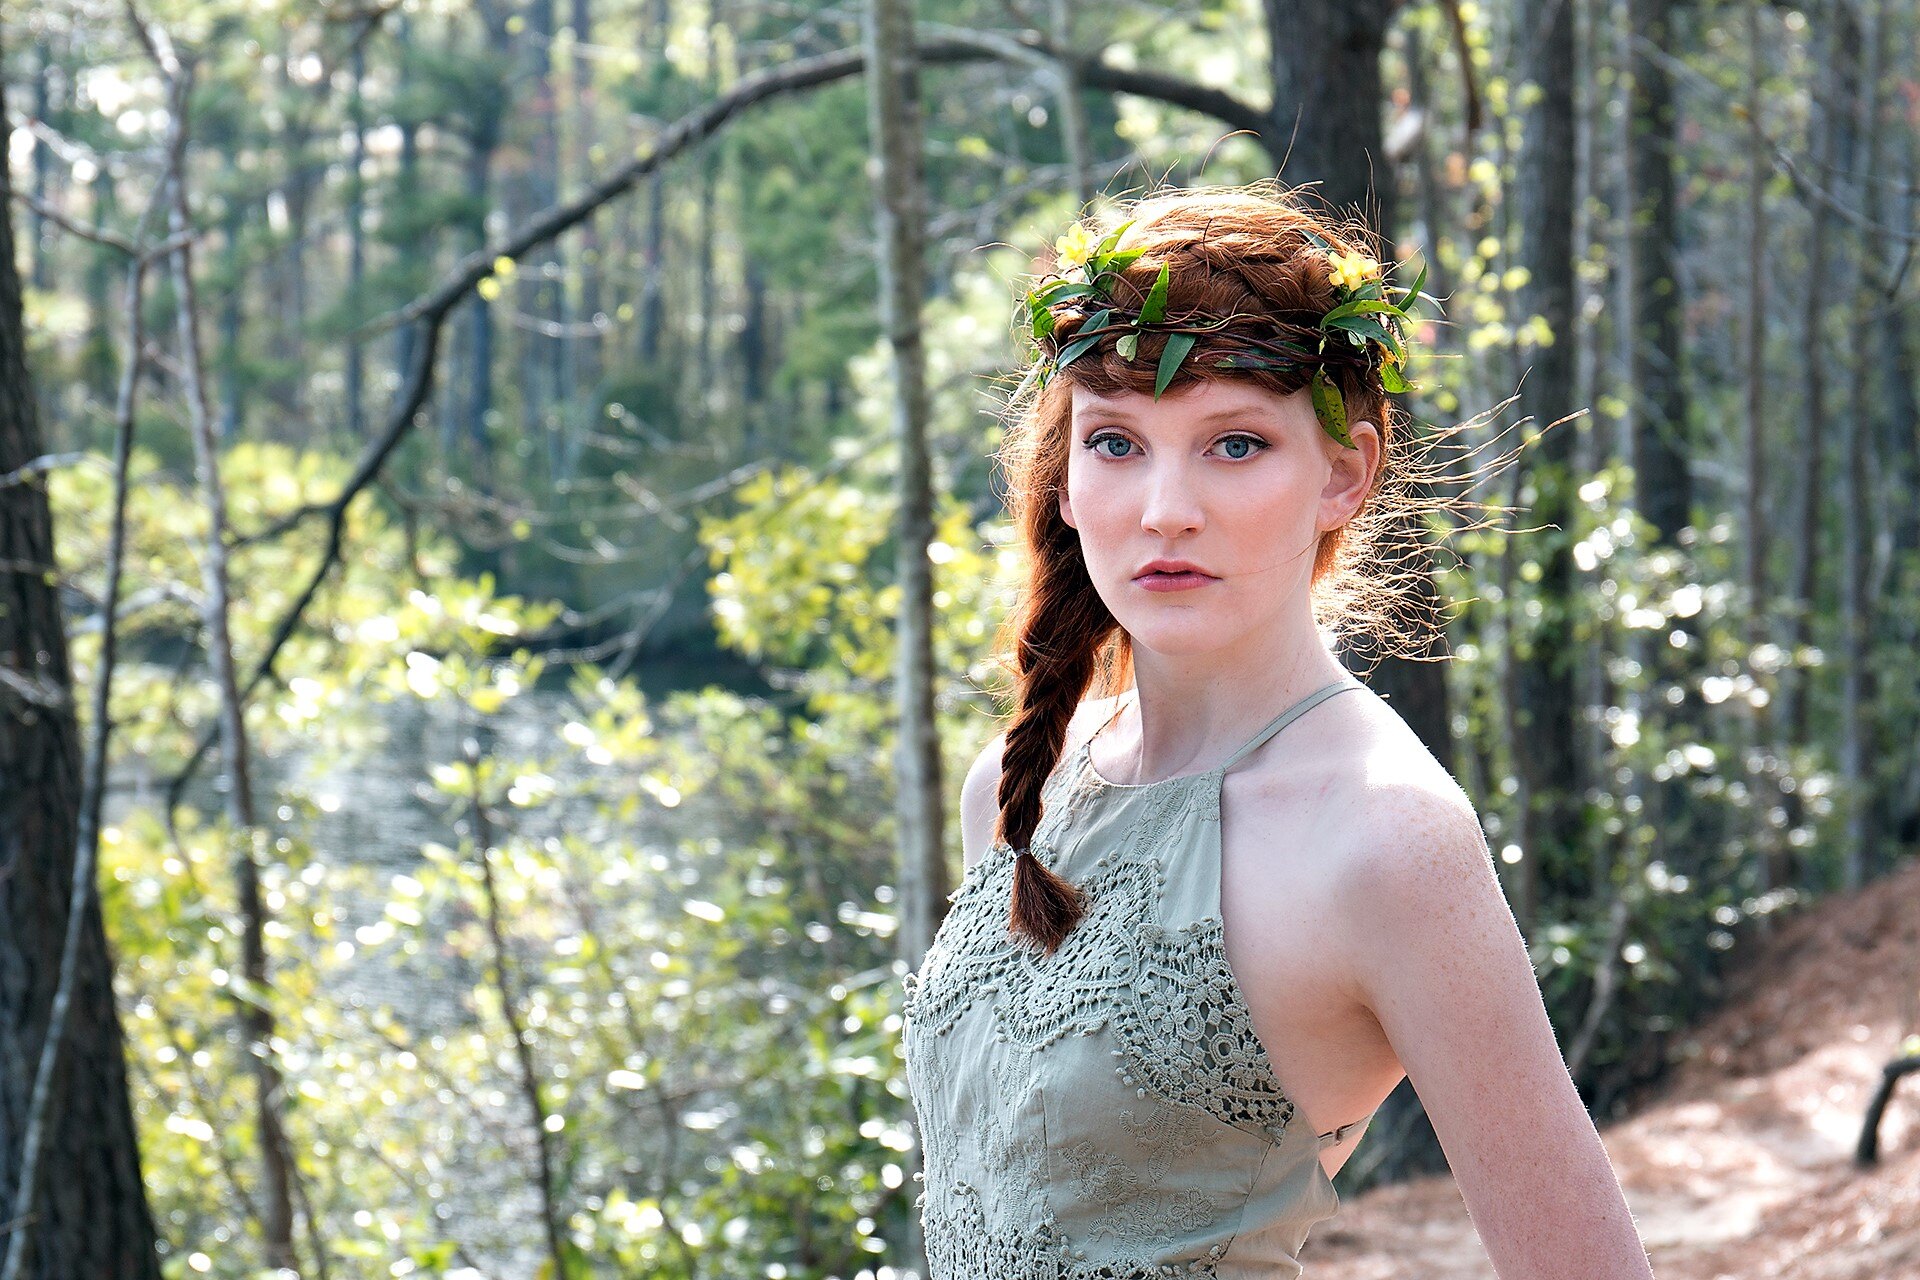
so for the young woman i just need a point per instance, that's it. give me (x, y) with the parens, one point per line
(1214, 912)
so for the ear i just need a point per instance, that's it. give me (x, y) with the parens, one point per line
(1351, 478)
(1066, 507)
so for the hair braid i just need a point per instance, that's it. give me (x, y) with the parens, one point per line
(1060, 631)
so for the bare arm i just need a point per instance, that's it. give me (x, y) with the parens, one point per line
(1439, 959)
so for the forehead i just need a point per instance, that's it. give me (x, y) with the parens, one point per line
(1196, 403)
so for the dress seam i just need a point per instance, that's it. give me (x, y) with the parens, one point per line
(1239, 1226)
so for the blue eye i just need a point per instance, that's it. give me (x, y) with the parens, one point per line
(1256, 444)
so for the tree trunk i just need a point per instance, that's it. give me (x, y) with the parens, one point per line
(704, 361)
(90, 1215)
(357, 243)
(232, 408)
(421, 249)
(97, 359)
(1830, 143)
(256, 1014)
(296, 190)
(1073, 118)
(756, 357)
(1325, 118)
(584, 348)
(1659, 404)
(1859, 724)
(1756, 732)
(1326, 111)
(37, 240)
(1658, 434)
(528, 188)
(894, 122)
(1546, 748)
(1901, 476)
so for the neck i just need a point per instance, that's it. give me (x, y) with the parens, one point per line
(1193, 710)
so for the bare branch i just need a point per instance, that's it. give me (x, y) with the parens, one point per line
(42, 465)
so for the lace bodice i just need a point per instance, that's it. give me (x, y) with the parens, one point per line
(1106, 1112)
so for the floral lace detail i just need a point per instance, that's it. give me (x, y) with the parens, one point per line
(1128, 1181)
(1188, 1007)
(962, 1243)
(1013, 1075)
(1184, 1030)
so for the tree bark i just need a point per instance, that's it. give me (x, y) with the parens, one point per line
(1757, 733)
(1073, 118)
(256, 1014)
(1831, 140)
(1859, 723)
(895, 127)
(1659, 403)
(356, 241)
(1546, 750)
(584, 348)
(1659, 433)
(91, 1217)
(1324, 122)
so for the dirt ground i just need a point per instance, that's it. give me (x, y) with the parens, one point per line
(1740, 1167)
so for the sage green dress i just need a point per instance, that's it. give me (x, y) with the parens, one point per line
(1107, 1112)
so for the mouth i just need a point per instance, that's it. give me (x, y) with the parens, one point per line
(1172, 570)
(1172, 579)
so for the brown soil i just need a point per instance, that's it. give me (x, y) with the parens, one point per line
(1740, 1167)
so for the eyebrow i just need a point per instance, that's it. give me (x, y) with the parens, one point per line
(1222, 416)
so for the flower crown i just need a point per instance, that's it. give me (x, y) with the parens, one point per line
(1364, 330)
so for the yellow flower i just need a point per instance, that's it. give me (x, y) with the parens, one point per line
(1351, 270)
(1075, 247)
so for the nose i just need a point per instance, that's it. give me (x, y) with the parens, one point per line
(1171, 506)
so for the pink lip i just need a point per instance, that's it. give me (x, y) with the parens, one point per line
(1172, 575)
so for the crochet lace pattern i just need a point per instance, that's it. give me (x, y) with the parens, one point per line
(1181, 1042)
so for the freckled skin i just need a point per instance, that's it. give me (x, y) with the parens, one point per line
(1363, 916)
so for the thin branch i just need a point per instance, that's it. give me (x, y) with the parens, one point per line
(42, 465)
(1812, 191)
(61, 220)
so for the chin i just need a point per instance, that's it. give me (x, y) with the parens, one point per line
(1197, 631)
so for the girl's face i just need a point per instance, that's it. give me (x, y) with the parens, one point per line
(1227, 477)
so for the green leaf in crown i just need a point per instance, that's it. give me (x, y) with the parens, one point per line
(1364, 318)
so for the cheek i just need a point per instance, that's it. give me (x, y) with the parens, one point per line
(1101, 505)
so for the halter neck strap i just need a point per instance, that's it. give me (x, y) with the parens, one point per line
(1291, 714)
(1279, 722)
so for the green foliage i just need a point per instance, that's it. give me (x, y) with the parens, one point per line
(805, 579)
(693, 894)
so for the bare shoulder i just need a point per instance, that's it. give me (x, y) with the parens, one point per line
(1394, 796)
(980, 793)
(979, 800)
(1388, 826)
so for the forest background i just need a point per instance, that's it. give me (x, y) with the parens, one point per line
(498, 557)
